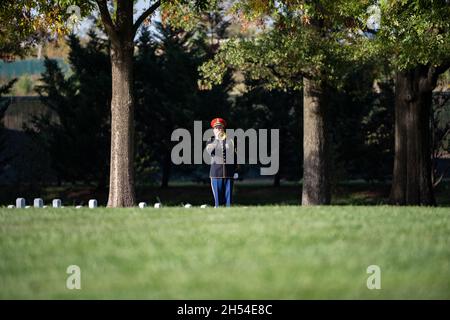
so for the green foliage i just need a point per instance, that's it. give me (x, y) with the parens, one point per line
(76, 133)
(166, 99)
(25, 22)
(362, 126)
(326, 38)
(186, 14)
(170, 98)
(259, 108)
(414, 32)
(4, 104)
(307, 39)
(24, 86)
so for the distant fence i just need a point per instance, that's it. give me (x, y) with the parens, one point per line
(9, 70)
(22, 110)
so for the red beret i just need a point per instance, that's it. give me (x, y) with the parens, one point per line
(217, 121)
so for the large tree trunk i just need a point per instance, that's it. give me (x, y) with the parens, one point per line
(316, 182)
(411, 182)
(398, 189)
(121, 185)
(121, 31)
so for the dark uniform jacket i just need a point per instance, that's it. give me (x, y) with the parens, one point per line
(219, 166)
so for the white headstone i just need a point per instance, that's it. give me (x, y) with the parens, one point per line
(38, 203)
(78, 207)
(27, 207)
(203, 206)
(44, 207)
(20, 203)
(188, 205)
(142, 205)
(56, 203)
(92, 203)
(158, 205)
(11, 206)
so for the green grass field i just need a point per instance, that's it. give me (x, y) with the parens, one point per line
(267, 252)
(246, 193)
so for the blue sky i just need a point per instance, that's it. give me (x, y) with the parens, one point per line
(140, 6)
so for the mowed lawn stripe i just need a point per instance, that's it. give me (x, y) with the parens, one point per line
(255, 252)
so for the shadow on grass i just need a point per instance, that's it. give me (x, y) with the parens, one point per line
(197, 194)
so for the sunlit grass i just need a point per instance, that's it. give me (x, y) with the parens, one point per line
(267, 252)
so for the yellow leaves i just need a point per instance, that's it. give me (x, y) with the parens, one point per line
(251, 10)
(259, 7)
(50, 20)
(178, 15)
(305, 19)
(165, 15)
(203, 85)
(245, 23)
(147, 22)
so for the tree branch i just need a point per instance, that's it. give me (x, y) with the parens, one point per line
(145, 14)
(110, 28)
(434, 72)
(299, 73)
(443, 66)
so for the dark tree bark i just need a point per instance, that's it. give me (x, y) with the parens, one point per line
(121, 33)
(316, 182)
(398, 189)
(412, 176)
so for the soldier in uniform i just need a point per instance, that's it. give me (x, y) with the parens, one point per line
(221, 173)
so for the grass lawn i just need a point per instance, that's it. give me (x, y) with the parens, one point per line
(245, 193)
(266, 252)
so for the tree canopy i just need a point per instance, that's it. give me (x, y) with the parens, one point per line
(414, 33)
(293, 39)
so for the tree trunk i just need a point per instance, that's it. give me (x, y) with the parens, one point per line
(316, 182)
(121, 185)
(411, 181)
(398, 189)
(121, 32)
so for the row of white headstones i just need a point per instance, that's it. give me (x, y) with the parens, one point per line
(57, 203)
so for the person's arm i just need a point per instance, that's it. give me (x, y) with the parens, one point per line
(211, 146)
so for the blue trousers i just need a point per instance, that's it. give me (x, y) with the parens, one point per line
(222, 189)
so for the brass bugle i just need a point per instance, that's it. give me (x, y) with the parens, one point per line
(222, 135)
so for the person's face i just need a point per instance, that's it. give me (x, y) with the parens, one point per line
(217, 129)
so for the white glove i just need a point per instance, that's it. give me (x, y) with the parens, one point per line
(236, 176)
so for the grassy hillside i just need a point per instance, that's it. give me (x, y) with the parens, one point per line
(279, 252)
